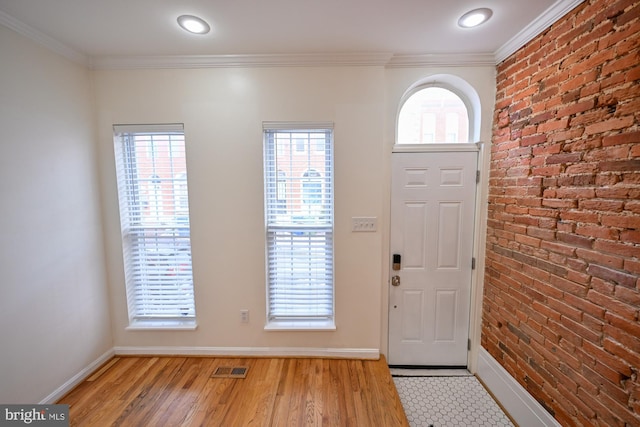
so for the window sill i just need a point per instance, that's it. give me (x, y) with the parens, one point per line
(162, 325)
(300, 325)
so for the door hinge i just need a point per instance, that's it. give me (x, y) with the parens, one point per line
(473, 263)
(469, 345)
(477, 177)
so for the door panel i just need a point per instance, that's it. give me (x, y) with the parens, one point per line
(432, 215)
(448, 246)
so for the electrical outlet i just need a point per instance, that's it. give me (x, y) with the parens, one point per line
(364, 223)
(244, 316)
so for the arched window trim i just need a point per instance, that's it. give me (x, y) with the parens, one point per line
(458, 87)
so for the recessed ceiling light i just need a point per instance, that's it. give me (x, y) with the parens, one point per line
(475, 17)
(193, 24)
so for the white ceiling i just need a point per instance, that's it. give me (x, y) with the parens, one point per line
(94, 29)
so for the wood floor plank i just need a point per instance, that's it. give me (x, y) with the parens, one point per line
(179, 391)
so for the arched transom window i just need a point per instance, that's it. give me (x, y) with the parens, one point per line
(433, 115)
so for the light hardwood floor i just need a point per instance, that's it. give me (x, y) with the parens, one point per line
(179, 391)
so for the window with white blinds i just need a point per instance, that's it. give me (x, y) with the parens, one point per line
(154, 217)
(299, 222)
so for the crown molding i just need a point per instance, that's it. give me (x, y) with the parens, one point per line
(389, 60)
(292, 60)
(537, 26)
(441, 60)
(43, 39)
(227, 61)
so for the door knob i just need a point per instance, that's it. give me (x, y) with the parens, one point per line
(395, 280)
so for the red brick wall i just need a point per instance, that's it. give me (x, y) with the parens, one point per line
(562, 283)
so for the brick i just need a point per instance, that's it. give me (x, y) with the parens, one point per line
(617, 349)
(578, 107)
(632, 266)
(571, 35)
(633, 75)
(546, 171)
(564, 158)
(628, 296)
(608, 373)
(619, 64)
(621, 221)
(605, 156)
(580, 216)
(560, 203)
(630, 236)
(552, 125)
(593, 352)
(582, 168)
(576, 274)
(605, 415)
(570, 286)
(575, 240)
(527, 240)
(620, 408)
(602, 286)
(605, 386)
(540, 233)
(566, 227)
(612, 192)
(630, 327)
(611, 304)
(604, 205)
(558, 247)
(584, 305)
(584, 145)
(597, 232)
(614, 262)
(575, 193)
(518, 333)
(612, 275)
(609, 125)
(620, 165)
(583, 407)
(533, 140)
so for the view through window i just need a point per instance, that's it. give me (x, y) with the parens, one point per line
(433, 115)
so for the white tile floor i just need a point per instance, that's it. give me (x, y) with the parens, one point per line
(442, 401)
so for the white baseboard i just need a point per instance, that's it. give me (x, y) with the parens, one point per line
(342, 353)
(77, 378)
(515, 399)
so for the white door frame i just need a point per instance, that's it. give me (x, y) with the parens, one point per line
(479, 244)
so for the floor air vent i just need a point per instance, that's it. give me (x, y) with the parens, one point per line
(230, 372)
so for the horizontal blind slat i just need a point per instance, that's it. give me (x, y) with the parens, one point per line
(154, 212)
(299, 218)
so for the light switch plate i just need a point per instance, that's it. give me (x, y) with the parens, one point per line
(364, 224)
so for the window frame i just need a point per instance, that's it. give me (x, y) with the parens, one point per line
(442, 125)
(156, 249)
(459, 87)
(288, 235)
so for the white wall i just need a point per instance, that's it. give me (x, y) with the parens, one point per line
(223, 111)
(54, 314)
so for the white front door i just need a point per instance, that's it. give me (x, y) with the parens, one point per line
(432, 219)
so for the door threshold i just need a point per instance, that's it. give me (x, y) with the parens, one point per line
(429, 371)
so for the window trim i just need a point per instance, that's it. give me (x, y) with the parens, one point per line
(459, 86)
(129, 177)
(320, 323)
